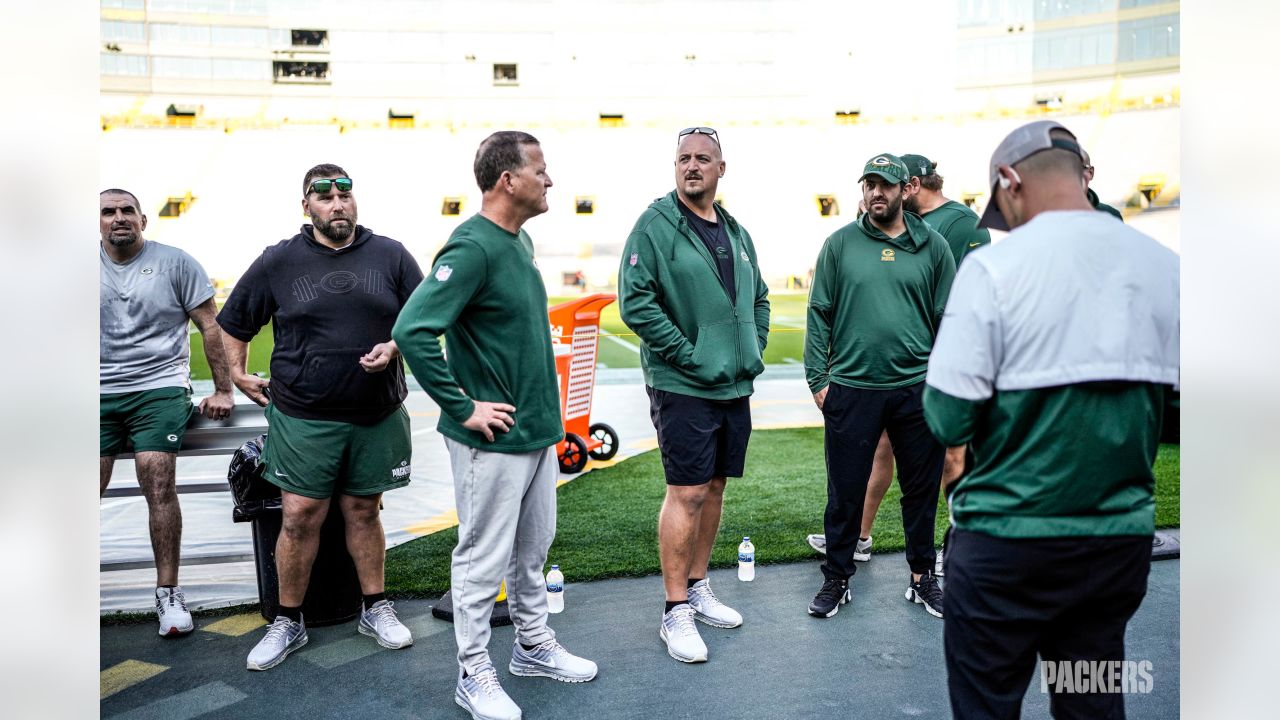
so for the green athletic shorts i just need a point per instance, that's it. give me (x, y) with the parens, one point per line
(155, 419)
(316, 458)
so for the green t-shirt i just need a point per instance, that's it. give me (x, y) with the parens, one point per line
(484, 294)
(875, 305)
(1070, 460)
(959, 225)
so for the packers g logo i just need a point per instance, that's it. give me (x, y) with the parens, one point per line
(886, 255)
(881, 161)
(173, 438)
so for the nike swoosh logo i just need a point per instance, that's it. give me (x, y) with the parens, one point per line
(281, 475)
(974, 244)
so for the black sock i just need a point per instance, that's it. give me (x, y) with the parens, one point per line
(369, 600)
(673, 603)
(293, 613)
(693, 581)
(528, 647)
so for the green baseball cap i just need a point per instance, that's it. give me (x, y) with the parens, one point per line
(919, 165)
(890, 167)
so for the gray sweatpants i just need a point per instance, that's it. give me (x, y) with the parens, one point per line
(506, 522)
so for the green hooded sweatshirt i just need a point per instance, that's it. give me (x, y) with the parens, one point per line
(694, 341)
(875, 305)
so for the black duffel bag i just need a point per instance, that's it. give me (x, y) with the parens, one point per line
(252, 494)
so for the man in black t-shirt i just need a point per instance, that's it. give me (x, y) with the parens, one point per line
(337, 423)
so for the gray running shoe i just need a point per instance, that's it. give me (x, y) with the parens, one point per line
(380, 622)
(550, 659)
(861, 552)
(681, 635)
(708, 609)
(283, 637)
(481, 695)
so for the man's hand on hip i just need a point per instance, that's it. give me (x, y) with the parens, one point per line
(253, 387)
(488, 417)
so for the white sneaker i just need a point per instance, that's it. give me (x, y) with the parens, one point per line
(861, 552)
(550, 659)
(482, 696)
(380, 622)
(171, 608)
(707, 607)
(283, 637)
(681, 635)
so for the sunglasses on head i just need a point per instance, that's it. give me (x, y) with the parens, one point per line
(323, 186)
(709, 132)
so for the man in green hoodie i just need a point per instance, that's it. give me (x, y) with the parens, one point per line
(500, 418)
(690, 287)
(879, 288)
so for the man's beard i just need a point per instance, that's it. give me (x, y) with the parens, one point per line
(340, 233)
(912, 204)
(891, 209)
(122, 240)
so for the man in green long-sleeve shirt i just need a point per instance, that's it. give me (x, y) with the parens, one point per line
(500, 417)
(879, 288)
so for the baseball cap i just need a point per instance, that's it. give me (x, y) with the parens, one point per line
(1016, 147)
(919, 165)
(890, 167)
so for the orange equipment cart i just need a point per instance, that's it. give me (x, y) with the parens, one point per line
(575, 332)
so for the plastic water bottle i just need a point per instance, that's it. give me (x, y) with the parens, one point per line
(746, 560)
(555, 590)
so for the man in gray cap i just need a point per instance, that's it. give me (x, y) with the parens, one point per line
(879, 287)
(1054, 358)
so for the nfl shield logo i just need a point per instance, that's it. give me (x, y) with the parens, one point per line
(635, 257)
(443, 273)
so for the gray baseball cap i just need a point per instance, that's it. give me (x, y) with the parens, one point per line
(1016, 147)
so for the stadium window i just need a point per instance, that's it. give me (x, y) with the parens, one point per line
(584, 205)
(451, 206)
(309, 38)
(129, 65)
(181, 67)
(505, 74)
(119, 31)
(828, 206)
(300, 71)
(241, 69)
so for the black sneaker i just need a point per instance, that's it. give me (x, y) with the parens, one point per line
(827, 602)
(926, 592)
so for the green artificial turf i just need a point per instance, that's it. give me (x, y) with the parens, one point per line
(607, 525)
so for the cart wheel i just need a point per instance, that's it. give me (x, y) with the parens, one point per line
(608, 439)
(574, 457)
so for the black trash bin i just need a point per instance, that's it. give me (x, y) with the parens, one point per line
(333, 594)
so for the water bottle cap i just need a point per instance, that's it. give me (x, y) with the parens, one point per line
(555, 567)
(746, 539)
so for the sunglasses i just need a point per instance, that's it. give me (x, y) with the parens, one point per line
(709, 132)
(323, 186)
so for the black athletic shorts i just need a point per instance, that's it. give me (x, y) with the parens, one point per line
(700, 439)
